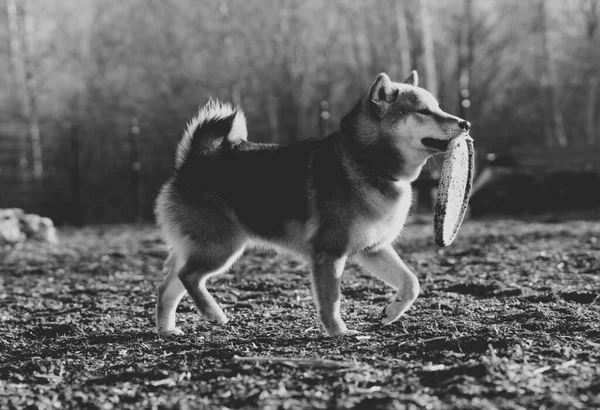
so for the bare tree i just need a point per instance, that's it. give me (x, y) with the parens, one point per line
(273, 118)
(403, 41)
(431, 80)
(16, 71)
(229, 40)
(31, 106)
(291, 70)
(465, 58)
(16, 59)
(359, 59)
(590, 10)
(549, 83)
(21, 31)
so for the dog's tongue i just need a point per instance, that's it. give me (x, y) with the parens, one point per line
(454, 189)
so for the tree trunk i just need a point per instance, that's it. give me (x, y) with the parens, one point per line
(405, 66)
(22, 57)
(591, 103)
(550, 81)
(32, 111)
(359, 59)
(136, 168)
(17, 75)
(289, 90)
(76, 203)
(546, 111)
(592, 19)
(229, 41)
(431, 80)
(466, 44)
(273, 117)
(16, 54)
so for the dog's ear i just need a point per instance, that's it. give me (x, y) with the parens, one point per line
(382, 93)
(412, 79)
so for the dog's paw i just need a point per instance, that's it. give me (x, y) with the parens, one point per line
(393, 310)
(170, 332)
(399, 304)
(343, 333)
(218, 319)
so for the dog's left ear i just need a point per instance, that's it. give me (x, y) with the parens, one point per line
(382, 94)
(412, 79)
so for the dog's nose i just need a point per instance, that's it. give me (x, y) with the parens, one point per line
(465, 125)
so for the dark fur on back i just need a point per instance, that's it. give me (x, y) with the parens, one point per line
(271, 187)
(230, 171)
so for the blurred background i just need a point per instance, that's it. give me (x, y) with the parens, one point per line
(95, 94)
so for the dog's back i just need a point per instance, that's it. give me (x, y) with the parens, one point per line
(276, 195)
(260, 188)
(263, 185)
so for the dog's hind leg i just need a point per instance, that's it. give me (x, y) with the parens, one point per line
(387, 265)
(170, 292)
(327, 277)
(206, 260)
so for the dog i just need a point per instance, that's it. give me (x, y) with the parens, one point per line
(327, 200)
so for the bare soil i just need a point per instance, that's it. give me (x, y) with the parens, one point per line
(508, 317)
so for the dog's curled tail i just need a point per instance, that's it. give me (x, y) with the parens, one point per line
(216, 122)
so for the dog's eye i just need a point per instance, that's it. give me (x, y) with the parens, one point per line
(425, 111)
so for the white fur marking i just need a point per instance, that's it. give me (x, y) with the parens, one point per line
(238, 128)
(213, 110)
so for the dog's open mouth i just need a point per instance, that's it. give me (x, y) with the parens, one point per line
(440, 145)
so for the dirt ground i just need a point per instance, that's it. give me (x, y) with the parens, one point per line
(508, 317)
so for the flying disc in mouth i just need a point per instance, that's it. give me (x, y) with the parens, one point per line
(454, 189)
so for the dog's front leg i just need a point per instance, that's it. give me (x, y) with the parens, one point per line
(387, 265)
(327, 277)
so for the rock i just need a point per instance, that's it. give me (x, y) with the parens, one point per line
(10, 226)
(39, 228)
(17, 226)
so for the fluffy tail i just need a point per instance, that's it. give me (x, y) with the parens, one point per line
(215, 123)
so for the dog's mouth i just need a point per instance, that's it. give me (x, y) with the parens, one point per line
(440, 145)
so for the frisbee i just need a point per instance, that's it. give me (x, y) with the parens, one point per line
(454, 189)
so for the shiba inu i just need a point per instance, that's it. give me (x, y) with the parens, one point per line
(327, 200)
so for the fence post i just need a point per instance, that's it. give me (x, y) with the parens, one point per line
(136, 167)
(76, 206)
(324, 115)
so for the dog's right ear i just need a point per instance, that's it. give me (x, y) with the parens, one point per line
(412, 79)
(381, 94)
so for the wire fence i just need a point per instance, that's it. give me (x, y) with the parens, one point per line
(87, 178)
(114, 177)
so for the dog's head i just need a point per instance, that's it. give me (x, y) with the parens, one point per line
(406, 118)
(412, 116)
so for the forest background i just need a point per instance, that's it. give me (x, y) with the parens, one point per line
(96, 94)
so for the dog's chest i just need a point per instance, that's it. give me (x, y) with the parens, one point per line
(386, 224)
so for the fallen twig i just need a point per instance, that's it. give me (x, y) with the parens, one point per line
(542, 370)
(564, 365)
(164, 382)
(296, 362)
(433, 339)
